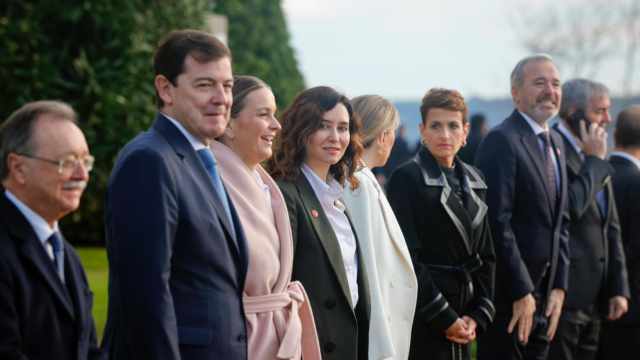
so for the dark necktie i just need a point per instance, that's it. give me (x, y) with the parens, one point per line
(58, 254)
(210, 163)
(551, 170)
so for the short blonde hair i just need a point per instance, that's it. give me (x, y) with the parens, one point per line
(377, 115)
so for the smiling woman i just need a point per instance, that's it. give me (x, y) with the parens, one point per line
(314, 154)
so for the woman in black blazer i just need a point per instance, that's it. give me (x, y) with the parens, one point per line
(439, 203)
(313, 156)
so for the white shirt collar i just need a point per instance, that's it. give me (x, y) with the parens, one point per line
(320, 188)
(629, 157)
(534, 125)
(39, 225)
(197, 144)
(572, 139)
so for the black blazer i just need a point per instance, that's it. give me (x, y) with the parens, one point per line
(440, 231)
(597, 270)
(626, 187)
(40, 316)
(317, 263)
(530, 234)
(176, 271)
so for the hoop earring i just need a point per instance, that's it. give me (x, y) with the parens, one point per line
(381, 149)
(464, 143)
(423, 142)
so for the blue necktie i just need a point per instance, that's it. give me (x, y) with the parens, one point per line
(58, 254)
(210, 163)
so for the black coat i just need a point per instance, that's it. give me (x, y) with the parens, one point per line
(40, 316)
(597, 270)
(343, 332)
(530, 234)
(626, 187)
(441, 234)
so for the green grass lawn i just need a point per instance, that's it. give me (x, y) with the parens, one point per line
(97, 269)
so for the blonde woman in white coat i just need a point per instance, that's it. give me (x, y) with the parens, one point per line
(392, 281)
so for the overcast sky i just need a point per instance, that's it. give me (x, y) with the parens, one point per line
(400, 49)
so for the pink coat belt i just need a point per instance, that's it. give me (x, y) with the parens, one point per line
(301, 330)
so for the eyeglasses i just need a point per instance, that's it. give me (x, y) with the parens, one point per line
(68, 166)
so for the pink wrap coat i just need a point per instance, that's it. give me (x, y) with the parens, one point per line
(279, 319)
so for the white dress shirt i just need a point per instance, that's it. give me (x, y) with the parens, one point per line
(197, 144)
(39, 225)
(329, 195)
(264, 186)
(537, 129)
(572, 139)
(629, 157)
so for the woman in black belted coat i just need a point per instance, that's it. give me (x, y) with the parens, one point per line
(439, 203)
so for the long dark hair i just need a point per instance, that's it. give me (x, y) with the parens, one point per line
(301, 120)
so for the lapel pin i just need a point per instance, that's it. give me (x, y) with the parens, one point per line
(314, 213)
(559, 152)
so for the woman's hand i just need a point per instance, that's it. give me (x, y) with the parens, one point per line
(460, 333)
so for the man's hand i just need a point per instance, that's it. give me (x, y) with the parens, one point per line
(459, 332)
(618, 306)
(523, 310)
(594, 142)
(554, 309)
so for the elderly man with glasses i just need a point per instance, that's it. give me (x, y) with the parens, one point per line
(45, 306)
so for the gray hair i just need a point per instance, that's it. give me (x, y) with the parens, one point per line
(577, 94)
(16, 132)
(517, 77)
(377, 115)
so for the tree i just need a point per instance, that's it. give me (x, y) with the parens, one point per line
(95, 55)
(259, 42)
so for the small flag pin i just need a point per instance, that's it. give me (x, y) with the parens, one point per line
(314, 213)
(559, 152)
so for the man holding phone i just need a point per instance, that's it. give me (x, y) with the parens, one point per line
(598, 285)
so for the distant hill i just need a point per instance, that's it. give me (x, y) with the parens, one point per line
(495, 111)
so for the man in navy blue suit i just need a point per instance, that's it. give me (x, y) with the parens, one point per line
(525, 171)
(177, 253)
(45, 301)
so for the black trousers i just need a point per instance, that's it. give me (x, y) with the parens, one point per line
(619, 342)
(577, 335)
(498, 344)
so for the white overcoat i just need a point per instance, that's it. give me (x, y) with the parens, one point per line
(392, 280)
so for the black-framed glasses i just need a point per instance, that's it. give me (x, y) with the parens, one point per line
(66, 165)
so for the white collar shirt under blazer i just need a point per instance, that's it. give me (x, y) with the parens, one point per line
(329, 195)
(392, 281)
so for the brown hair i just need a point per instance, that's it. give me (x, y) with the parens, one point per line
(242, 87)
(17, 131)
(628, 128)
(301, 120)
(174, 47)
(438, 98)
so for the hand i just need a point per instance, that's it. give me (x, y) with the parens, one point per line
(523, 310)
(458, 332)
(594, 142)
(471, 326)
(554, 309)
(618, 306)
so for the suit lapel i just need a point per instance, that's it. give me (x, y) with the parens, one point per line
(324, 232)
(433, 176)
(476, 209)
(75, 285)
(33, 251)
(194, 165)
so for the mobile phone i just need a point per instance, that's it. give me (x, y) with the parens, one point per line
(574, 122)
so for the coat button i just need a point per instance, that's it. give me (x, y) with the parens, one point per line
(393, 283)
(331, 303)
(242, 338)
(389, 317)
(329, 347)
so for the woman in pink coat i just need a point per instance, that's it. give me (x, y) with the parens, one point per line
(279, 320)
